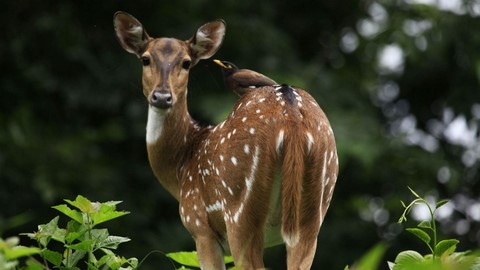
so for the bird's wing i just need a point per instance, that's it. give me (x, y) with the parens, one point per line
(246, 78)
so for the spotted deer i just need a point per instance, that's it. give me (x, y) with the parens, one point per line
(262, 177)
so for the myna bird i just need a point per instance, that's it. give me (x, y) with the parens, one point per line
(241, 81)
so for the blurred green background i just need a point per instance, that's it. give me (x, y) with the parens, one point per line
(398, 79)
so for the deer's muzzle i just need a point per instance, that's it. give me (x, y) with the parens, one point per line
(161, 99)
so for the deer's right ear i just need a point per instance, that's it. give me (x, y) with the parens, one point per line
(130, 33)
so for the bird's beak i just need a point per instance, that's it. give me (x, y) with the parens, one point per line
(218, 62)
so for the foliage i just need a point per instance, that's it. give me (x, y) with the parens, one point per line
(83, 244)
(11, 251)
(443, 255)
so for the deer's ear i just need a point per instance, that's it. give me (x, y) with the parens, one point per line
(207, 40)
(130, 33)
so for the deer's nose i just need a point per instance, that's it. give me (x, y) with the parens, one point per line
(161, 99)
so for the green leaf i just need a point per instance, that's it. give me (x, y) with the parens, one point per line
(406, 259)
(228, 259)
(20, 251)
(413, 192)
(372, 259)
(73, 257)
(112, 242)
(185, 258)
(73, 214)
(86, 245)
(46, 231)
(83, 204)
(106, 213)
(34, 265)
(403, 204)
(53, 257)
(446, 247)
(420, 234)
(425, 224)
(75, 231)
(441, 203)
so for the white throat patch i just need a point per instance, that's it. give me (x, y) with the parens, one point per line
(155, 123)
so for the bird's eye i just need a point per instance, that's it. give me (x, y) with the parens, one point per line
(186, 64)
(145, 60)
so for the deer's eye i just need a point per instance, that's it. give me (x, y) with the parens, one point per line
(145, 60)
(186, 64)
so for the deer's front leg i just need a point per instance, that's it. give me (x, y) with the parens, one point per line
(210, 253)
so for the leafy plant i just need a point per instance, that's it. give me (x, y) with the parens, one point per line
(10, 252)
(81, 240)
(443, 255)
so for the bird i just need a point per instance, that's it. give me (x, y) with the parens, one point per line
(241, 81)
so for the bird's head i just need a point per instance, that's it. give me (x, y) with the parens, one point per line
(227, 67)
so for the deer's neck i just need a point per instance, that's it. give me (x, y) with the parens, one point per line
(169, 134)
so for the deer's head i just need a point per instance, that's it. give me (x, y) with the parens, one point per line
(166, 61)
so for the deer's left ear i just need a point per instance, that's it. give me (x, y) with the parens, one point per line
(206, 42)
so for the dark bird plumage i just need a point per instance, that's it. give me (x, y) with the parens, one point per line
(241, 81)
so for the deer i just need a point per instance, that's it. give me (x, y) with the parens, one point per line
(262, 177)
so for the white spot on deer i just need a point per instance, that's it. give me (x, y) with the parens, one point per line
(155, 122)
(224, 184)
(246, 149)
(279, 140)
(230, 191)
(244, 119)
(187, 219)
(250, 179)
(248, 103)
(195, 207)
(197, 222)
(237, 214)
(182, 210)
(221, 158)
(222, 140)
(257, 111)
(215, 207)
(282, 103)
(330, 158)
(217, 172)
(229, 135)
(261, 100)
(309, 141)
(234, 131)
(234, 160)
(252, 130)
